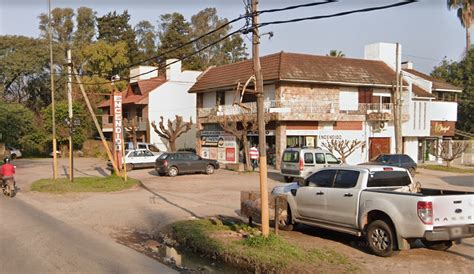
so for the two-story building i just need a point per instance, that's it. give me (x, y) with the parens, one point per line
(313, 99)
(150, 96)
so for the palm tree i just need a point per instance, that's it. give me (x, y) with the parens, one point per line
(465, 11)
(336, 53)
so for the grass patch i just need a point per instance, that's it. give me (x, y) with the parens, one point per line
(254, 252)
(448, 169)
(83, 184)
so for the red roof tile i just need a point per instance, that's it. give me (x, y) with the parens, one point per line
(438, 84)
(145, 87)
(419, 92)
(295, 66)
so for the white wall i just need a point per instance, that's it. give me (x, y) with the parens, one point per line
(410, 147)
(348, 98)
(443, 111)
(152, 72)
(170, 99)
(419, 122)
(385, 52)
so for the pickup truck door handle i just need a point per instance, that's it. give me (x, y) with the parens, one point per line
(348, 195)
(319, 193)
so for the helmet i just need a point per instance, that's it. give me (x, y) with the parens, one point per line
(6, 160)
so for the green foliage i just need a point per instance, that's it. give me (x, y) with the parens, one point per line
(85, 30)
(173, 32)
(461, 74)
(62, 26)
(336, 53)
(114, 28)
(62, 130)
(146, 38)
(84, 184)
(195, 235)
(104, 58)
(16, 121)
(448, 169)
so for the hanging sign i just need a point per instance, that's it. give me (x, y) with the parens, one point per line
(117, 135)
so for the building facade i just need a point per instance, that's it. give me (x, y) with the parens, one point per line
(311, 100)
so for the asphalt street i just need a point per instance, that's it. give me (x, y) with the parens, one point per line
(31, 241)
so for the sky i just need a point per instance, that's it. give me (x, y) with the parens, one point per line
(427, 30)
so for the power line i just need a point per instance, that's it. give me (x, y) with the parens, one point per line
(296, 6)
(167, 65)
(421, 57)
(337, 14)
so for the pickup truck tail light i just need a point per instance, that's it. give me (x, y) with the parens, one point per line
(425, 212)
(301, 165)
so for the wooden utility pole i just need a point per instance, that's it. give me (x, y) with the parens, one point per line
(260, 120)
(99, 129)
(397, 105)
(71, 122)
(53, 111)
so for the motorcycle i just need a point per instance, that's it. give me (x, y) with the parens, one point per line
(9, 187)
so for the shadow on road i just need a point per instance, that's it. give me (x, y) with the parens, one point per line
(275, 176)
(467, 180)
(167, 201)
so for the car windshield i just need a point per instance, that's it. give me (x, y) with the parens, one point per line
(383, 158)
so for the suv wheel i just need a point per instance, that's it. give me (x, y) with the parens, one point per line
(381, 238)
(173, 171)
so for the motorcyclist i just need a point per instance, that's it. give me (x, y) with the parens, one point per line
(7, 171)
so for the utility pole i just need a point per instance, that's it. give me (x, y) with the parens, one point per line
(397, 117)
(71, 123)
(53, 111)
(260, 120)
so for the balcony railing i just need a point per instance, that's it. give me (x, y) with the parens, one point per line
(307, 107)
(107, 122)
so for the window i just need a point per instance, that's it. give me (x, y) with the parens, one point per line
(386, 100)
(346, 179)
(323, 178)
(349, 100)
(291, 156)
(220, 98)
(320, 158)
(147, 153)
(125, 113)
(309, 158)
(406, 159)
(194, 157)
(141, 146)
(388, 178)
(135, 89)
(331, 159)
(139, 113)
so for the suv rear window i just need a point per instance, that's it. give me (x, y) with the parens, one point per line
(291, 156)
(388, 178)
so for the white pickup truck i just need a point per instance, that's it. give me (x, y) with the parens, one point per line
(379, 203)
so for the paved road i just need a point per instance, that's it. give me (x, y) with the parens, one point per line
(32, 241)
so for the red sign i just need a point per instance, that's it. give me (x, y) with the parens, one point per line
(230, 154)
(117, 135)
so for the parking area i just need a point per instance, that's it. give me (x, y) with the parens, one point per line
(162, 200)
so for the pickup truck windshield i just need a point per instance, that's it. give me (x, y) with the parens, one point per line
(388, 178)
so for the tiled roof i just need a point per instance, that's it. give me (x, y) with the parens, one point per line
(145, 87)
(438, 84)
(299, 67)
(419, 92)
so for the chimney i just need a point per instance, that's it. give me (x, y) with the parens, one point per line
(407, 65)
(142, 73)
(173, 69)
(385, 52)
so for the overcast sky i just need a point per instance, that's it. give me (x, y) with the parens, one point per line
(427, 30)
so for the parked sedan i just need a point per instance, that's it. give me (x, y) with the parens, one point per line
(14, 152)
(138, 158)
(176, 163)
(398, 160)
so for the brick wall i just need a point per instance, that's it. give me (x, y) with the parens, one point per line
(305, 92)
(347, 125)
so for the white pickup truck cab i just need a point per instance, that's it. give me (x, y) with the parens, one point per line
(372, 201)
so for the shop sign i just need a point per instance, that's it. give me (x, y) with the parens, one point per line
(212, 133)
(267, 133)
(442, 128)
(230, 154)
(117, 128)
(210, 141)
(330, 137)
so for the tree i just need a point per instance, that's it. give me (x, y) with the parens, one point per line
(448, 150)
(62, 26)
(461, 74)
(85, 31)
(114, 28)
(172, 131)
(465, 12)
(343, 147)
(22, 62)
(228, 51)
(16, 121)
(336, 53)
(104, 58)
(146, 37)
(174, 31)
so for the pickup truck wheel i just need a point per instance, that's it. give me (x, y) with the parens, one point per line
(288, 224)
(288, 179)
(438, 245)
(381, 239)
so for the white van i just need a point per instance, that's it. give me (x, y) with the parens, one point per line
(299, 163)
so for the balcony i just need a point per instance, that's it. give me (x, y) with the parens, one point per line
(107, 124)
(306, 110)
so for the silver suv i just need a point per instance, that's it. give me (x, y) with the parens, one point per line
(299, 163)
